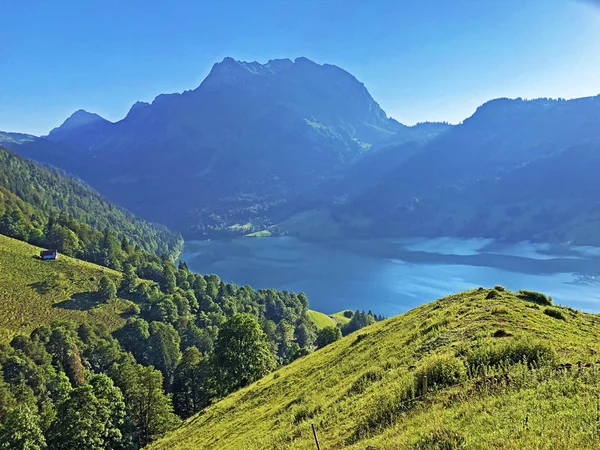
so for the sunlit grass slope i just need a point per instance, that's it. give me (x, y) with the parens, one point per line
(493, 383)
(320, 319)
(340, 318)
(35, 292)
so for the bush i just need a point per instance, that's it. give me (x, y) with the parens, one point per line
(348, 314)
(107, 288)
(441, 440)
(302, 413)
(499, 288)
(492, 294)
(441, 372)
(556, 313)
(364, 381)
(527, 350)
(535, 297)
(131, 309)
(327, 336)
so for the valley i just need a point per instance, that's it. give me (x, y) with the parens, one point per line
(271, 255)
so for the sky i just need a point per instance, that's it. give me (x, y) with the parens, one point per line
(421, 60)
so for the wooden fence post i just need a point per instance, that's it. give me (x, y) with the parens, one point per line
(424, 386)
(315, 435)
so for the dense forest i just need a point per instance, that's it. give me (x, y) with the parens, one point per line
(47, 207)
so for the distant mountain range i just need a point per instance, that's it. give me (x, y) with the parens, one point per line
(246, 137)
(288, 142)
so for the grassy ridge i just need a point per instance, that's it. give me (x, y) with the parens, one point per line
(340, 318)
(357, 391)
(320, 319)
(34, 292)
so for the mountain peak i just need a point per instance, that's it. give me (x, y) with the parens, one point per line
(78, 119)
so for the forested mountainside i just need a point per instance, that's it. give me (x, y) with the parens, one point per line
(101, 359)
(48, 208)
(515, 170)
(501, 368)
(250, 136)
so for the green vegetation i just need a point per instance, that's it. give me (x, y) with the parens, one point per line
(46, 207)
(319, 319)
(132, 352)
(342, 317)
(262, 233)
(328, 335)
(535, 297)
(556, 313)
(35, 292)
(496, 379)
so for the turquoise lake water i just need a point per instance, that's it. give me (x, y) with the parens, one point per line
(390, 276)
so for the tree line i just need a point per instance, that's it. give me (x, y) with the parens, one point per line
(32, 194)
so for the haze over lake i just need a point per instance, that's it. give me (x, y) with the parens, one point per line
(390, 276)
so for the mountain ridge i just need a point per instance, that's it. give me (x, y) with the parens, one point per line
(248, 136)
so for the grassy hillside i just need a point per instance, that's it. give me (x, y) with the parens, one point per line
(340, 318)
(34, 292)
(320, 319)
(365, 391)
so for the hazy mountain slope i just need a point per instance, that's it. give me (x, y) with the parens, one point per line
(248, 137)
(550, 199)
(52, 192)
(357, 391)
(7, 139)
(531, 159)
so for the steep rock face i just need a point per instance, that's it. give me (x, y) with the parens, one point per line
(246, 137)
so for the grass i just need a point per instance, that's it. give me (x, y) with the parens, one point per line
(341, 318)
(262, 233)
(34, 292)
(320, 320)
(493, 378)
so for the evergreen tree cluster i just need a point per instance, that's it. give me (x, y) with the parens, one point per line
(48, 208)
(359, 320)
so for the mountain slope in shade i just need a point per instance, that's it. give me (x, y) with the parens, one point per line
(245, 139)
(50, 192)
(7, 138)
(514, 170)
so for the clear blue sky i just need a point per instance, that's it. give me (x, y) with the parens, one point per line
(420, 59)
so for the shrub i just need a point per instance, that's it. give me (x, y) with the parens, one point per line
(499, 288)
(442, 371)
(441, 440)
(535, 297)
(327, 336)
(556, 313)
(526, 350)
(348, 314)
(501, 334)
(131, 309)
(107, 288)
(364, 381)
(492, 294)
(303, 412)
